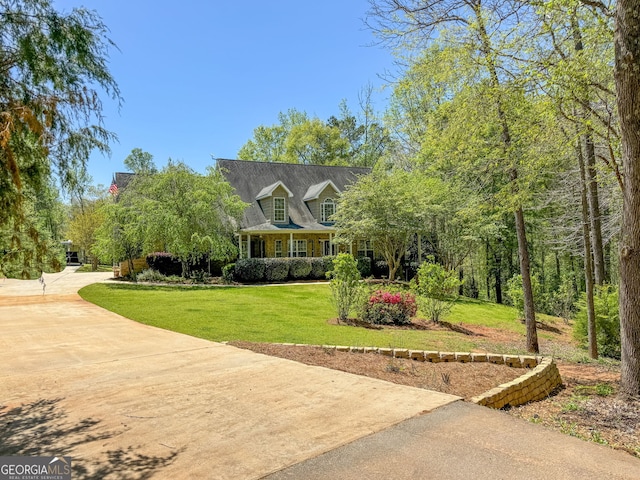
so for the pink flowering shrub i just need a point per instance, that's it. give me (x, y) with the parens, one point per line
(386, 308)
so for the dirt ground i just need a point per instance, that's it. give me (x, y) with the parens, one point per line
(587, 406)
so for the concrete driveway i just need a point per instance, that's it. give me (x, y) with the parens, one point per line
(130, 401)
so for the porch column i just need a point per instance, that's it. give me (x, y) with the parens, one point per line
(330, 243)
(248, 245)
(291, 244)
(350, 248)
(239, 245)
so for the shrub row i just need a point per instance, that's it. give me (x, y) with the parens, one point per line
(252, 270)
(168, 265)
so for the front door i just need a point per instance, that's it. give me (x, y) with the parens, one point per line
(257, 248)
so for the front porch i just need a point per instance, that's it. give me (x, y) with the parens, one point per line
(294, 244)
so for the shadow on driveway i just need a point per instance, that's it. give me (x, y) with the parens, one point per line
(42, 428)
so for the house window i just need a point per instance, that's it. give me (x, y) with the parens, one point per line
(365, 248)
(328, 248)
(278, 246)
(279, 210)
(328, 209)
(244, 249)
(299, 248)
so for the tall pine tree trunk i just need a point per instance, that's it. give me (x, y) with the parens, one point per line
(525, 272)
(523, 249)
(590, 174)
(594, 209)
(627, 76)
(588, 266)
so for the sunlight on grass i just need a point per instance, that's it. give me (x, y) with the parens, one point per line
(476, 312)
(287, 314)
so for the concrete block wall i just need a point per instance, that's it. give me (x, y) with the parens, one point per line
(541, 379)
(139, 264)
(533, 385)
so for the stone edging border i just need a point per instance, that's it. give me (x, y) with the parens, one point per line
(536, 384)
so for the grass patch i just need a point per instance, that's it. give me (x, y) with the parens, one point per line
(86, 268)
(477, 312)
(292, 314)
(601, 389)
(288, 314)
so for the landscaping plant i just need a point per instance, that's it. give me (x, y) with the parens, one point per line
(386, 308)
(345, 284)
(436, 288)
(605, 303)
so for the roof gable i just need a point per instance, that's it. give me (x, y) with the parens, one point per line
(314, 191)
(268, 191)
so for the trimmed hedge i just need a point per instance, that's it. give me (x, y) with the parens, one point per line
(320, 266)
(276, 270)
(251, 270)
(299, 268)
(228, 271)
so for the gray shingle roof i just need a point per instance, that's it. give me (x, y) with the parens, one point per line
(122, 179)
(250, 179)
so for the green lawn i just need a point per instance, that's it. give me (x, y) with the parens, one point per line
(86, 268)
(295, 314)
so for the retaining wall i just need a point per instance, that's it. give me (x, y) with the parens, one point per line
(541, 379)
(139, 264)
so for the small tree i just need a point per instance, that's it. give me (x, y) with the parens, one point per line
(436, 288)
(345, 284)
(607, 321)
(120, 237)
(515, 292)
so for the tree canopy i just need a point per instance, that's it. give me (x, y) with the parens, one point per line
(53, 68)
(389, 208)
(358, 140)
(175, 210)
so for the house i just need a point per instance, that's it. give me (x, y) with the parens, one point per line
(120, 181)
(290, 207)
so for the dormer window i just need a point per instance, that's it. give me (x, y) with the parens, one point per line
(328, 209)
(279, 210)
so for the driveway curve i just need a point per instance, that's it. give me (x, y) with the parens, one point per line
(127, 400)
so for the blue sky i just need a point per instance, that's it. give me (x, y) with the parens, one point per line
(197, 77)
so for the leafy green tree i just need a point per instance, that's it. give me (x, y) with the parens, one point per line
(315, 143)
(187, 214)
(345, 140)
(345, 284)
(607, 321)
(368, 138)
(389, 208)
(436, 288)
(32, 246)
(83, 227)
(268, 142)
(516, 294)
(54, 66)
(121, 235)
(140, 162)
(471, 24)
